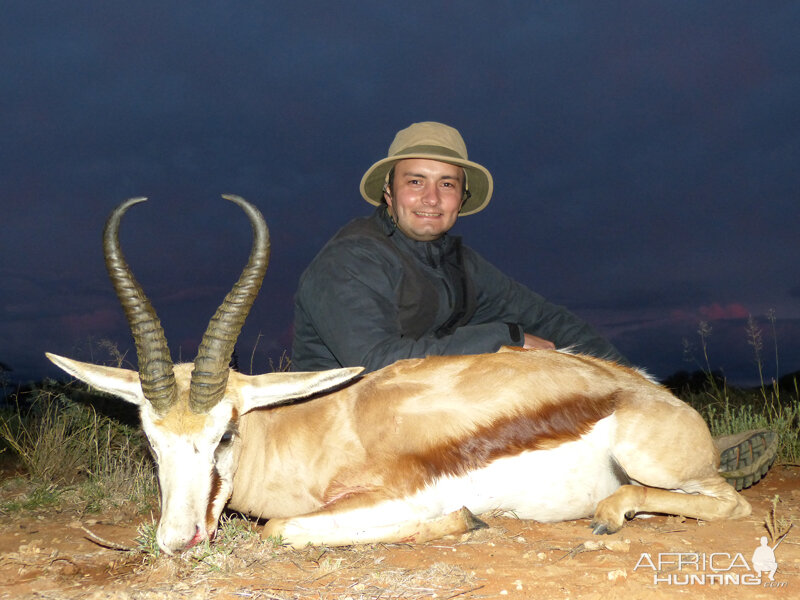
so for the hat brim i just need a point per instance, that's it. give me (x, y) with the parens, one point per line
(480, 183)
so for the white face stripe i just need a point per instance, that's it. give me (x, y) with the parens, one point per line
(190, 464)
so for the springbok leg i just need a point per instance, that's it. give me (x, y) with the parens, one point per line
(325, 529)
(710, 500)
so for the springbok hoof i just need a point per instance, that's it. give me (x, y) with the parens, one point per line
(471, 521)
(600, 529)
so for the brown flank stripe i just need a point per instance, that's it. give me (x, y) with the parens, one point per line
(547, 427)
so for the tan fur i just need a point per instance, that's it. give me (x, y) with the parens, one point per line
(180, 420)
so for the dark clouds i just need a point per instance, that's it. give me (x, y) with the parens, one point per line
(645, 156)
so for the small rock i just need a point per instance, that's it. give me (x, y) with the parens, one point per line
(617, 574)
(618, 545)
(593, 545)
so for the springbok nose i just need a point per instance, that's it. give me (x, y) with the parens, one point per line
(175, 543)
(198, 537)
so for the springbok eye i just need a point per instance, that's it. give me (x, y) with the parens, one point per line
(226, 438)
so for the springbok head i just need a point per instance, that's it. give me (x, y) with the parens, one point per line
(190, 412)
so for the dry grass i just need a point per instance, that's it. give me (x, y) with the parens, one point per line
(730, 410)
(67, 446)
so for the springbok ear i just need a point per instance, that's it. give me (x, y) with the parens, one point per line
(122, 383)
(274, 388)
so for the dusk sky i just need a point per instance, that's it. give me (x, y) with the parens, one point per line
(646, 159)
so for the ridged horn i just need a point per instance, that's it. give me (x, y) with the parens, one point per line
(210, 374)
(155, 364)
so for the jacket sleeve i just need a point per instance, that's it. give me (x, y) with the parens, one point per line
(501, 298)
(348, 296)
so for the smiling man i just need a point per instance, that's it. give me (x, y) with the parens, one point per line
(396, 285)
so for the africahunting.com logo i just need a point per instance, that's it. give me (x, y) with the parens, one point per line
(716, 568)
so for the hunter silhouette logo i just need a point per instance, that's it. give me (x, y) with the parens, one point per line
(764, 557)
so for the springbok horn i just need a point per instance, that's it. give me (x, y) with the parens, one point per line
(210, 374)
(155, 363)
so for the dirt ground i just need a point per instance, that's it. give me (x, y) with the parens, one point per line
(50, 556)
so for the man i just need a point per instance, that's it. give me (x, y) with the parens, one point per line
(395, 285)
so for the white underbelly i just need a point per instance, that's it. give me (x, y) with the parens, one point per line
(562, 483)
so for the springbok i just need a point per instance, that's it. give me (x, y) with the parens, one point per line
(409, 452)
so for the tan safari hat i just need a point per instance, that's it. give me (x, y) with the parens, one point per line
(435, 141)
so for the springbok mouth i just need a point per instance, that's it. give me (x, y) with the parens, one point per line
(198, 537)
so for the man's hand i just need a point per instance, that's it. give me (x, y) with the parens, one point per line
(531, 342)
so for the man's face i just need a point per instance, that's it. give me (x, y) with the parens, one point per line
(425, 197)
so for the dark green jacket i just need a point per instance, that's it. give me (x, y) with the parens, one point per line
(373, 296)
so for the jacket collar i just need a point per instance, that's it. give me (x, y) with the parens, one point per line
(433, 253)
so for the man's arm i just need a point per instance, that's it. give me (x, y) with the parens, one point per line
(500, 298)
